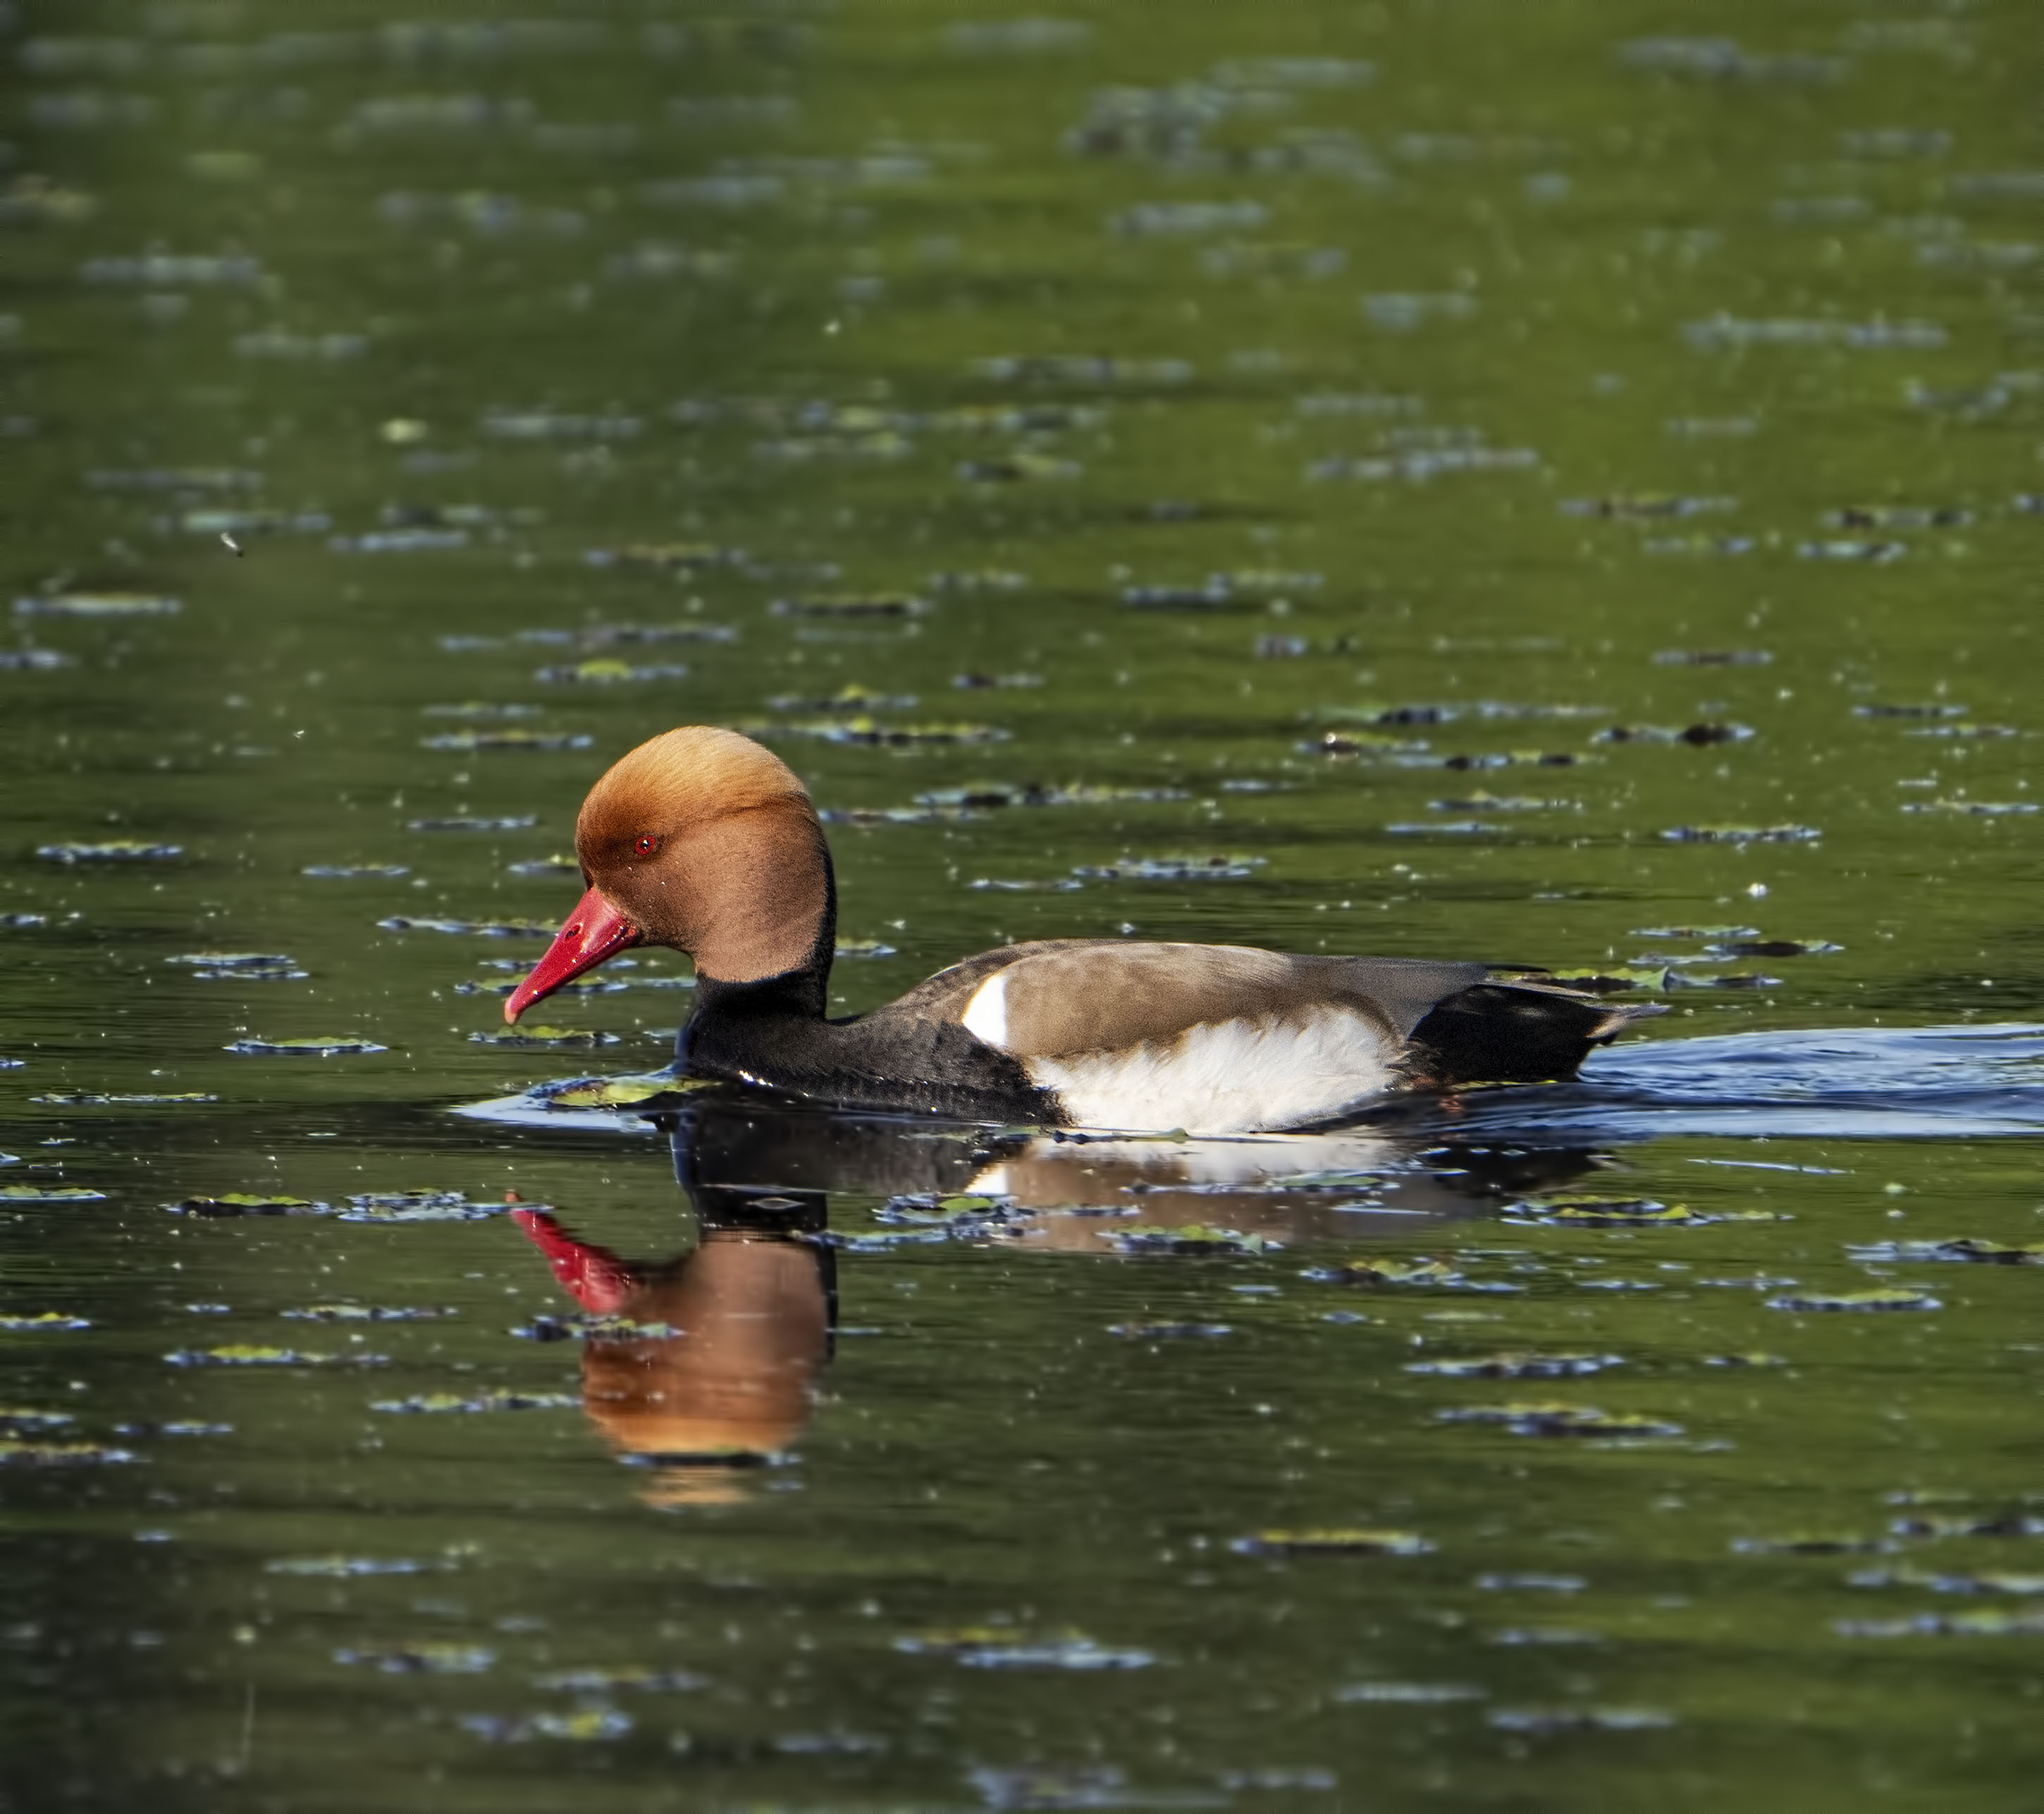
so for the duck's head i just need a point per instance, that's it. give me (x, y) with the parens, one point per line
(702, 840)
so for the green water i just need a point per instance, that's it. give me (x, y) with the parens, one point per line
(1220, 381)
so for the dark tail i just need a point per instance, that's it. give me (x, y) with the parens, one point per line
(1513, 1032)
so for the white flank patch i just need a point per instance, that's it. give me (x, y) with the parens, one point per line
(985, 1015)
(1229, 1077)
(1053, 1174)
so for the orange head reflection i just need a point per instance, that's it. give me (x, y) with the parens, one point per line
(731, 1386)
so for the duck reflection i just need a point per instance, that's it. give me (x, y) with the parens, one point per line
(703, 1366)
(1353, 1182)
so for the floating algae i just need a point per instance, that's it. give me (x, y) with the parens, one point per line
(248, 1203)
(586, 1725)
(1389, 1271)
(18, 1454)
(1516, 1367)
(591, 1327)
(1552, 1719)
(1554, 1420)
(422, 1206)
(1583, 1211)
(1196, 1240)
(1173, 869)
(637, 1678)
(117, 850)
(558, 1037)
(1969, 1248)
(364, 1313)
(1332, 1541)
(617, 1092)
(422, 1660)
(311, 1045)
(472, 742)
(508, 928)
(1879, 1298)
(1000, 1647)
(239, 967)
(345, 1568)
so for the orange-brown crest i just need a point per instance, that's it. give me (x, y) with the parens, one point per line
(709, 843)
(673, 782)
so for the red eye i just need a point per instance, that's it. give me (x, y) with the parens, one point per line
(645, 846)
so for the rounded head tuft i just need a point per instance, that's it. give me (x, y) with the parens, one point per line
(672, 783)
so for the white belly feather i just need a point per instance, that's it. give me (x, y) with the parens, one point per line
(1229, 1077)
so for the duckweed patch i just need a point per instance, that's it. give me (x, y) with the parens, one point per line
(514, 822)
(1167, 1332)
(617, 1092)
(591, 1326)
(1545, 1721)
(471, 743)
(635, 1678)
(861, 730)
(1965, 1249)
(1516, 1367)
(544, 1035)
(1742, 835)
(1173, 869)
(438, 1404)
(2028, 1584)
(1332, 1541)
(400, 1206)
(114, 851)
(585, 1725)
(512, 929)
(2026, 1622)
(248, 1203)
(347, 1568)
(19, 1453)
(1945, 1524)
(999, 1647)
(1551, 1419)
(420, 1659)
(99, 604)
(249, 1353)
(309, 1046)
(1879, 1298)
(959, 1213)
(1408, 1693)
(1808, 1543)
(1588, 1211)
(1194, 1240)
(1382, 1270)
(365, 1314)
(607, 672)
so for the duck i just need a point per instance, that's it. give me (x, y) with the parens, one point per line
(706, 841)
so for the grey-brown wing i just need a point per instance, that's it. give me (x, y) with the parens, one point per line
(1063, 997)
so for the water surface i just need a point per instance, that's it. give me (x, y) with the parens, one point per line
(1554, 485)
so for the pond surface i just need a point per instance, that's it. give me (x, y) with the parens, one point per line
(1552, 485)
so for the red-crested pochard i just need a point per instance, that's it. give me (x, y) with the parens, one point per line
(701, 840)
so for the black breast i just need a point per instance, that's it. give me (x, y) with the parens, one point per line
(889, 1060)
